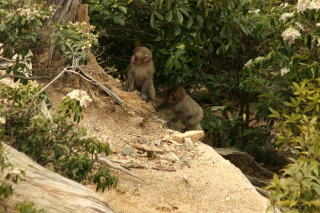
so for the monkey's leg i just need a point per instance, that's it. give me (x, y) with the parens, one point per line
(146, 90)
(193, 123)
(130, 81)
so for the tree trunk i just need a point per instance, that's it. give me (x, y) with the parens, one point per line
(48, 190)
(66, 10)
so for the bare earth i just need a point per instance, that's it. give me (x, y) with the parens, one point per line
(196, 180)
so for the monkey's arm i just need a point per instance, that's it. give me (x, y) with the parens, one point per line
(164, 105)
(177, 117)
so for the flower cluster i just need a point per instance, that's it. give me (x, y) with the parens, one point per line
(285, 16)
(304, 5)
(76, 37)
(30, 13)
(290, 35)
(81, 96)
(27, 70)
(284, 71)
(254, 11)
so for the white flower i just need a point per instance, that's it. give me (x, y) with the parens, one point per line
(248, 64)
(284, 71)
(254, 11)
(284, 5)
(80, 96)
(298, 24)
(303, 5)
(290, 35)
(26, 61)
(258, 59)
(2, 120)
(285, 16)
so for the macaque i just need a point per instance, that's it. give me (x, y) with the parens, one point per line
(140, 75)
(184, 107)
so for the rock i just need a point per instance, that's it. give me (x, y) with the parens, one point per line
(128, 151)
(131, 113)
(143, 141)
(157, 142)
(188, 143)
(194, 135)
(171, 157)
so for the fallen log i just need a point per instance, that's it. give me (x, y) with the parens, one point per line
(48, 190)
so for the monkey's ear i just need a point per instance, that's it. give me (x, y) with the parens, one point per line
(133, 59)
(146, 58)
(181, 93)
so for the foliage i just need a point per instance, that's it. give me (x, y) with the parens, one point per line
(197, 43)
(21, 22)
(299, 189)
(53, 140)
(9, 175)
(28, 207)
(74, 40)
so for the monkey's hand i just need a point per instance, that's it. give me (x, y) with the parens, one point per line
(162, 106)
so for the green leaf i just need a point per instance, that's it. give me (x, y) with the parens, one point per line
(122, 9)
(179, 17)
(189, 23)
(118, 20)
(160, 3)
(169, 16)
(169, 64)
(159, 16)
(152, 21)
(177, 31)
(274, 113)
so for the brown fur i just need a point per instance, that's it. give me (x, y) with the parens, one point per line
(185, 108)
(141, 71)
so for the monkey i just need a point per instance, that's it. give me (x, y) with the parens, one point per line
(140, 74)
(184, 107)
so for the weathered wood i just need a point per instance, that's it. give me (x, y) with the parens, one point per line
(48, 190)
(66, 10)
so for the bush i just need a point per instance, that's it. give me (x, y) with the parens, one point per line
(54, 140)
(299, 131)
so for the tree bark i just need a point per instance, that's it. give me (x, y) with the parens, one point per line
(48, 190)
(66, 10)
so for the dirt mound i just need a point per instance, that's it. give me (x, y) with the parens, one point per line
(177, 177)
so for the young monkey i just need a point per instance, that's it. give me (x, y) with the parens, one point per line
(141, 71)
(184, 107)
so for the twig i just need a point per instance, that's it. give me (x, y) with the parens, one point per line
(114, 165)
(22, 77)
(6, 59)
(51, 82)
(94, 81)
(161, 168)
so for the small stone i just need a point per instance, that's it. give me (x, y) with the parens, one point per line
(131, 113)
(185, 178)
(194, 135)
(157, 142)
(128, 151)
(172, 157)
(143, 141)
(188, 143)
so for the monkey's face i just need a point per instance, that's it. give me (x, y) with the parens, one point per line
(141, 55)
(174, 97)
